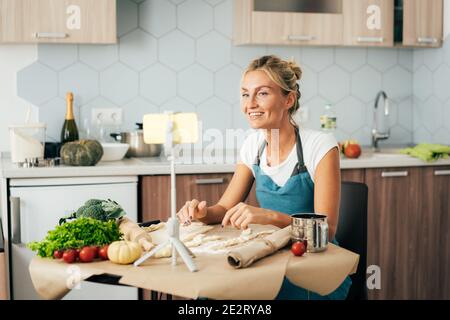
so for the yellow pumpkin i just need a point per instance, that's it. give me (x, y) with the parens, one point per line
(124, 252)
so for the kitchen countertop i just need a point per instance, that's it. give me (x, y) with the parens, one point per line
(197, 165)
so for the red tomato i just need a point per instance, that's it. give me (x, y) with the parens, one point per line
(87, 254)
(298, 248)
(96, 249)
(70, 255)
(103, 252)
(58, 254)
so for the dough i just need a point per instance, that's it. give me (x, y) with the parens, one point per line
(154, 227)
(190, 232)
(245, 236)
(192, 235)
(164, 253)
(195, 236)
(201, 239)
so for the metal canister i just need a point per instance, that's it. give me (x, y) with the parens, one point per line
(138, 148)
(311, 229)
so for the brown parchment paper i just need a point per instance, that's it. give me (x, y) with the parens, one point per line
(216, 279)
(246, 255)
(322, 272)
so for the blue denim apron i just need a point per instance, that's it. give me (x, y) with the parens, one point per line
(296, 196)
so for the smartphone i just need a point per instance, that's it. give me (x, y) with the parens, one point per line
(184, 127)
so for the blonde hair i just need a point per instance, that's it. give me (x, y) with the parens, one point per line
(284, 73)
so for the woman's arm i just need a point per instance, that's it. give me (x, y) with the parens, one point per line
(327, 189)
(237, 191)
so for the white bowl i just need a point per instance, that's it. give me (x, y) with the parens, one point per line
(114, 151)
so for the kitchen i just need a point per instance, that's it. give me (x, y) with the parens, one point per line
(127, 58)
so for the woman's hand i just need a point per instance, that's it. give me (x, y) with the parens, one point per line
(242, 214)
(192, 210)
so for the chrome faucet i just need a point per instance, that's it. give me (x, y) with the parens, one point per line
(376, 136)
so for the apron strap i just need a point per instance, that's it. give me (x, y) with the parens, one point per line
(299, 167)
(260, 151)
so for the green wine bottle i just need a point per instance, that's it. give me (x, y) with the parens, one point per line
(69, 130)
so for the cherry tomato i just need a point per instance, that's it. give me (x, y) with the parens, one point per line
(96, 249)
(298, 248)
(87, 254)
(70, 255)
(58, 254)
(103, 252)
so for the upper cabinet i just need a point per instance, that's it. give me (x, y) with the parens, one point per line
(58, 21)
(286, 22)
(422, 23)
(375, 23)
(368, 22)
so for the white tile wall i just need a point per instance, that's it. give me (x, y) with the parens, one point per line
(431, 83)
(179, 55)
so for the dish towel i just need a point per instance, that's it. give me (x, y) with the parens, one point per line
(428, 152)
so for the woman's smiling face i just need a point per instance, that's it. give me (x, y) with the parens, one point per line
(263, 102)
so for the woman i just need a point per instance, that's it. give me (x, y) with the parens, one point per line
(296, 170)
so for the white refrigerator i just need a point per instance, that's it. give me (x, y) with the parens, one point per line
(36, 205)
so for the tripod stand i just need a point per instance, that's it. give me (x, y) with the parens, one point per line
(173, 225)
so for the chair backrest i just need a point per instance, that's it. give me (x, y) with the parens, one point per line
(352, 232)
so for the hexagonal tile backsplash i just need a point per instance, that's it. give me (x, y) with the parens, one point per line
(179, 55)
(431, 107)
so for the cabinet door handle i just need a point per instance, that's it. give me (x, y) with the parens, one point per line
(442, 172)
(210, 181)
(15, 220)
(301, 37)
(427, 40)
(55, 35)
(388, 174)
(370, 39)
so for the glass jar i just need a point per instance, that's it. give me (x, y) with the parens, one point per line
(328, 119)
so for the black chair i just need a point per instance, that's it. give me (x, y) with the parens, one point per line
(352, 232)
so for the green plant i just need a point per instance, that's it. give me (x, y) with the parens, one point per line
(76, 234)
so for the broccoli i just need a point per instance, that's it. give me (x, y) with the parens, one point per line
(93, 202)
(80, 211)
(95, 212)
(102, 210)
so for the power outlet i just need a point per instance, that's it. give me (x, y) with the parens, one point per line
(107, 117)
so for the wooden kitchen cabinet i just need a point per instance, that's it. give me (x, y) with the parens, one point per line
(433, 252)
(155, 192)
(368, 23)
(423, 23)
(393, 219)
(408, 238)
(288, 22)
(58, 21)
(352, 175)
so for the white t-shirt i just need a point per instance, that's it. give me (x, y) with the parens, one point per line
(315, 145)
